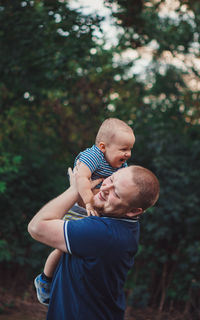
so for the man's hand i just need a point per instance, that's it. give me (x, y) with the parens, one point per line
(73, 174)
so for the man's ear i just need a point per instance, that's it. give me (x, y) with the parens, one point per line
(134, 212)
(102, 146)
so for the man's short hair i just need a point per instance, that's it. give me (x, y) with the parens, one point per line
(109, 128)
(148, 188)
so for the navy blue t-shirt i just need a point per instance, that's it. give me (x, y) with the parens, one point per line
(88, 283)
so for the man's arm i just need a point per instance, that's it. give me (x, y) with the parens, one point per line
(47, 226)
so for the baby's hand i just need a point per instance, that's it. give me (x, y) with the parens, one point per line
(90, 210)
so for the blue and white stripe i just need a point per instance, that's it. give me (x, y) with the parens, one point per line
(94, 158)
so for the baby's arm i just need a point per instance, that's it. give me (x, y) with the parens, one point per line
(84, 187)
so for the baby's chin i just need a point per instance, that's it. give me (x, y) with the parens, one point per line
(118, 164)
(122, 161)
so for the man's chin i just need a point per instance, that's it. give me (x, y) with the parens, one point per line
(99, 210)
(102, 211)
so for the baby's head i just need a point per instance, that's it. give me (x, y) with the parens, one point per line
(115, 139)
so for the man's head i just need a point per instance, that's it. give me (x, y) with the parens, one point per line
(127, 193)
(115, 139)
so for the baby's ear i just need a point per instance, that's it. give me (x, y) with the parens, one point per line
(102, 146)
(134, 212)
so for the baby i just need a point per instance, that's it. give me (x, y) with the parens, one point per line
(112, 149)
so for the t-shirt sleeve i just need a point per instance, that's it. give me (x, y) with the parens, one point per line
(86, 237)
(90, 158)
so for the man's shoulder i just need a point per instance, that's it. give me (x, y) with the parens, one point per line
(121, 223)
(87, 236)
(100, 226)
(91, 224)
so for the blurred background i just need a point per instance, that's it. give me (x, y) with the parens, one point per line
(65, 66)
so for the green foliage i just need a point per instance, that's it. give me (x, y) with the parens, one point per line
(9, 164)
(39, 56)
(42, 46)
(5, 251)
(57, 84)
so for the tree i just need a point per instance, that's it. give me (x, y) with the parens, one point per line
(43, 45)
(58, 84)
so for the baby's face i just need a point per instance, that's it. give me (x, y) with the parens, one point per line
(119, 150)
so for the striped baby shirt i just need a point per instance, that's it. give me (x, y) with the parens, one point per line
(94, 158)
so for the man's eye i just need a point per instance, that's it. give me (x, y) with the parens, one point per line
(116, 194)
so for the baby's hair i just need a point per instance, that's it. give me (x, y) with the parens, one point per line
(109, 128)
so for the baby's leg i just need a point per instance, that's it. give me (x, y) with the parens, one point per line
(43, 281)
(52, 262)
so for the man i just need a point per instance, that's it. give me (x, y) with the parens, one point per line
(98, 251)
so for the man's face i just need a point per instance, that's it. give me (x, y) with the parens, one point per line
(115, 193)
